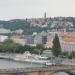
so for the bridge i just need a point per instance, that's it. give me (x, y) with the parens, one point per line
(48, 70)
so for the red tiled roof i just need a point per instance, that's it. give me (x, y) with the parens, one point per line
(70, 39)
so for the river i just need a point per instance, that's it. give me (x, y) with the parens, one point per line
(8, 64)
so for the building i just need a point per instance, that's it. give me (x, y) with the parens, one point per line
(68, 43)
(18, 39)
(44, 39)
(68, 47)
(37, 39)
(40, 38)
(23, 39)
(29, 38)
(19, 31)
(4, 31)
(3, 38)
(67, 40)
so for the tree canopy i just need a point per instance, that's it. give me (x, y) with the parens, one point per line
(56, 49)
(10, 46)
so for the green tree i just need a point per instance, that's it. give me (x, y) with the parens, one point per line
(11, 47)
(40, 48)
(56, 49)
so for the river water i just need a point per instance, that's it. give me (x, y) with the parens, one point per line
(8, 64)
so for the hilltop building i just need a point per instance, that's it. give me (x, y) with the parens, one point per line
(4, 31)
(3, 38)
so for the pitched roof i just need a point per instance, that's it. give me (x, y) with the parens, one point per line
(69, 39)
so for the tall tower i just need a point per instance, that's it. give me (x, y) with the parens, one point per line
(45, 17)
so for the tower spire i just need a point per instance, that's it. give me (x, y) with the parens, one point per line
(45, 15)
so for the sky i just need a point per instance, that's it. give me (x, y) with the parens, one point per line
(21, 9)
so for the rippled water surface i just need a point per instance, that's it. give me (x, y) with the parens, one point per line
(6, 64)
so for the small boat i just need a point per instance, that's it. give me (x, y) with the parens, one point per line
(27, 57)
(48, 63)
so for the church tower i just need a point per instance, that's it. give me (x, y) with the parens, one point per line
(45, 17)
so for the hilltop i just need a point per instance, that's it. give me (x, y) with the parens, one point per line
(39, 24)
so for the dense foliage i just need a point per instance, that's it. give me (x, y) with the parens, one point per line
(56, 49)
(69, 55)
(20, 24)
(11, 47)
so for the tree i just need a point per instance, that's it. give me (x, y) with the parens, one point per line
(11, 47)
(56, 49)
(40, 48)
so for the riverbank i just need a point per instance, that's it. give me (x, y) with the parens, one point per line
(11, 56)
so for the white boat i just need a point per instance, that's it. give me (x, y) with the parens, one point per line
(48, 63)
(27, 57)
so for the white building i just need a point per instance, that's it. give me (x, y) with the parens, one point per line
(68, 47)
(19, 31)
(4, 31)
(3, 38)
(37, 39)
(20, 41)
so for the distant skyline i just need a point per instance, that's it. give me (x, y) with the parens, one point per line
(21, 9)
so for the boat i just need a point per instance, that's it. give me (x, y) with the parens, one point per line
(48, 64)
(32, 58)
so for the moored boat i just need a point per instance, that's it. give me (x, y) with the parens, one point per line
(27, 57)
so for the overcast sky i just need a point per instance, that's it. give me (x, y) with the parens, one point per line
(20, 9)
